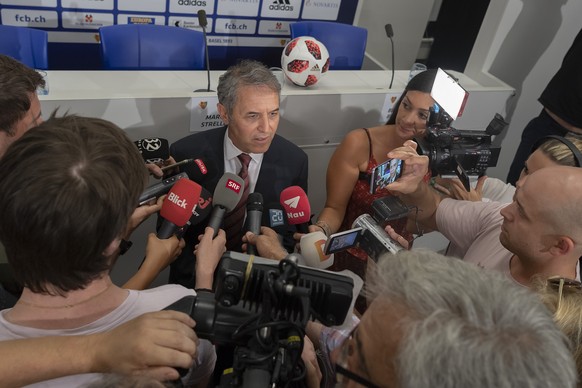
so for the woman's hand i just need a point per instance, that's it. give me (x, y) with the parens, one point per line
(414, 171)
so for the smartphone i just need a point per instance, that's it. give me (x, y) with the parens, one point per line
(170, 166)
(384, 174)
(343, 240)
(160, 188)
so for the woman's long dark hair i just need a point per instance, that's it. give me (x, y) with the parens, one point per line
(422, 82)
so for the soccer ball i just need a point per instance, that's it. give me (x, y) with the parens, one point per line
(304, 60)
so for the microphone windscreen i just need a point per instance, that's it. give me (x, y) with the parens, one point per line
(153, 150)
(203, 208)
(202, 18)
(255, 202)
(228, 191)
(296, 205)
(312, 249)
(389, 30)
(200, 171)
(178, 205)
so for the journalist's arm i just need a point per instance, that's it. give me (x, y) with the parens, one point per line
(152, 344)
(412, 189)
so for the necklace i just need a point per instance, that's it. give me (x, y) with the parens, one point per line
(67, 305)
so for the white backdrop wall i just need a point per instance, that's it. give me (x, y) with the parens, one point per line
(408, 18)
(523, 43)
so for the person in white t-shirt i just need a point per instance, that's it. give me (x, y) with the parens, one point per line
(67, 191)
(537, 234)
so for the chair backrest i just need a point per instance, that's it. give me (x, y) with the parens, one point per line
(151, 47)
(346, 43)
(27, 45)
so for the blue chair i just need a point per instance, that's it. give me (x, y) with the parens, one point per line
(27, 45)
(346, 43)
(151, 47)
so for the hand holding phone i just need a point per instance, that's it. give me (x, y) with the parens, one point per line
(384, 174)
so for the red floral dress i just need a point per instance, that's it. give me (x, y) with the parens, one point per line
(360, 202)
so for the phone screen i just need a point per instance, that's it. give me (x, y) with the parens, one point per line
(384, 174)
(340, 241)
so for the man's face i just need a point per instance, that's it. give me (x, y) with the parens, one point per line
(31, 119)
(254, 118)
(370, 351)
(523, 229)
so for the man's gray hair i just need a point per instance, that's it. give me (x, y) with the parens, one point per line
(470, 327)
(245, 73)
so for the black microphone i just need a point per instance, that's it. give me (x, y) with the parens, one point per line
(390, 34)
(254, 218)
(203, 23)
(202, 19)
(200, 212)
(200, 170)
(153, 150)
(227, 194)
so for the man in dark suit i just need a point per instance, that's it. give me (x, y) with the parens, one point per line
(248, 103)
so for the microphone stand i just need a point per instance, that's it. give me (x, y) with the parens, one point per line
(203, 23)
(390, 34)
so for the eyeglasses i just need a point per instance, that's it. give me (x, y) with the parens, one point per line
(560, 284)
(347, 348)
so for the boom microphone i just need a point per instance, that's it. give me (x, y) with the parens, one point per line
(203, 23)
(296, 205)
(177, 207)
(254, 217)
(153, 150)
(227, 195)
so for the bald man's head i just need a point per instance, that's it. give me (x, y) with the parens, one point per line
(555, 195)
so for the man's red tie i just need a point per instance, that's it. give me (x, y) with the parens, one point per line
(233, 222)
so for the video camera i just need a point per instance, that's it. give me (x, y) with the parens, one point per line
(262, 307)
(374, 239)
(366, 234)
(451, 151)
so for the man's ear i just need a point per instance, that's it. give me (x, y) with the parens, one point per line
(222, 112)
(562, 246)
